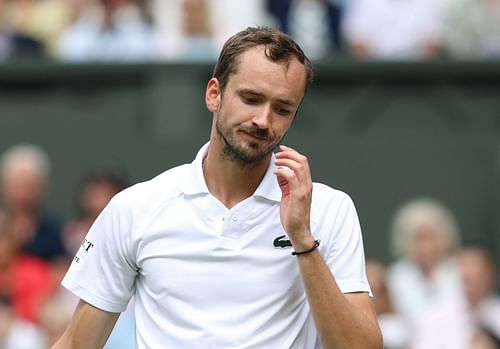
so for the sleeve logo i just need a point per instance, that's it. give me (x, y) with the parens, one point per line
(87, 245)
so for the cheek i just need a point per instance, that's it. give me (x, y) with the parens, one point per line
(281, 126)
(230, 114)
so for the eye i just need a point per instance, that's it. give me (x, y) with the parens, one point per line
(250, 100)
(283, 111)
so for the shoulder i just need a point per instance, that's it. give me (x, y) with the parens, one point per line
(326, 197)
(155, 191)
(325, 191)
(334, 211)
(132, 209)
(135, 204)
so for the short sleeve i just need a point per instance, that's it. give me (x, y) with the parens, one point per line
(103, 272)
(345, 256)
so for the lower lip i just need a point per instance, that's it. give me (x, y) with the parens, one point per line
(255, 137)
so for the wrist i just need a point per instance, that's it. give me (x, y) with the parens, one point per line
(302, 243)
(309, 250)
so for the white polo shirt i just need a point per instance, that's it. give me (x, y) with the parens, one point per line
(205, 276)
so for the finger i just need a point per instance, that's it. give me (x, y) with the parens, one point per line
(288, 175)
(301, 168)
(292, 165)
(290, 184)
(287, 152)
(283, 184)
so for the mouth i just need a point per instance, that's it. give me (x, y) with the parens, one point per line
(255, 136)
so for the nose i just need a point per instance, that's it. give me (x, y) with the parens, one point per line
(262, 117)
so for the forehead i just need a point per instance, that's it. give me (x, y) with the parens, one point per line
(255, 69)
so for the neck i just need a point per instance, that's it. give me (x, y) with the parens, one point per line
(229, 181)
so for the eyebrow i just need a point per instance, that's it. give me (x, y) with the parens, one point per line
(255, 93)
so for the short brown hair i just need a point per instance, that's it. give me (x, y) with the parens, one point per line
(279, 48)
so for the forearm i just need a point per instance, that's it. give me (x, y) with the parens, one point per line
(343, 321)
(75, 340)
(88, 329)
(340, 323)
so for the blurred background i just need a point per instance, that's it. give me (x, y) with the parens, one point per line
(404, 115)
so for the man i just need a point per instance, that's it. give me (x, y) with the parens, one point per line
(205, 247)
(24, 178)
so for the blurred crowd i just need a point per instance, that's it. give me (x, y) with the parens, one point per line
(36, 249)
(433, 293)
(194, 30)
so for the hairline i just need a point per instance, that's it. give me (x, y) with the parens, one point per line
(267, 37)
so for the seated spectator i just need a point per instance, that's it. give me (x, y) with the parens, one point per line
(39, 20)
(229, 17)
(97, 189)
(24, 176)
(425, 236)
(393, 30)
(472, 28)
(176, 21)
(195, 41)
(25, 281)
(315, 24)
(13, 44)
(392, 325)
(470, 323)
(111, 31)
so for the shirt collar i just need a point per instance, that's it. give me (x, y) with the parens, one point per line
(268, 187)
(194, 182)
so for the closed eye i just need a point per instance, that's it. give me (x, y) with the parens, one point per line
(251, 100)
(283, 111)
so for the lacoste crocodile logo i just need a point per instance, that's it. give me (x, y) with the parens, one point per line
(280, 242)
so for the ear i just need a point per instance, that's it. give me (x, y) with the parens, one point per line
(212, 95)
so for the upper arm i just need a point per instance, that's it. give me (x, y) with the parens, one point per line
(363, 302)
(89, 328)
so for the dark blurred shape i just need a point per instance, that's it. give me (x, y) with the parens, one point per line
(94, 193)
(280, 9)
(316, 24)
(15, 46)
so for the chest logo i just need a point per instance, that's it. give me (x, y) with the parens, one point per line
(281, 242)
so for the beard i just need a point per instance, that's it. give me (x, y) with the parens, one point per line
(247, 153)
